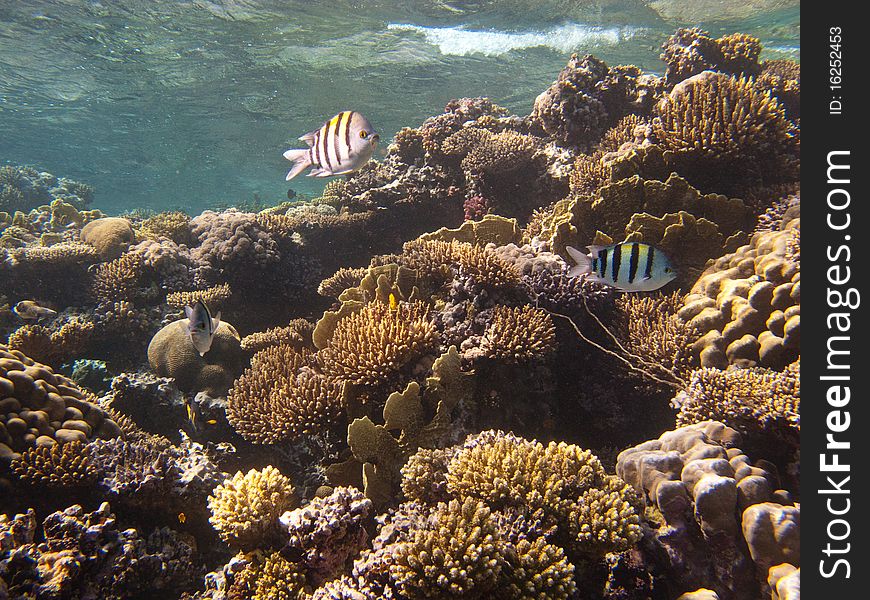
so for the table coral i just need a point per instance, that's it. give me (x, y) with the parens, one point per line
(282, 396)
(172, 354)
(245, 508)
(214, 297)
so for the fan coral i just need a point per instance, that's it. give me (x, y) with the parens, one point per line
(344, 278)
(518, 334)
(369, 347)
(245, 508)
(746, 305)
(109, 235)
(172, 354)
(58, 465)
(282, 396)
(214, 297)
(39, 407)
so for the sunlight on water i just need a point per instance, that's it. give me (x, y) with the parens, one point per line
(191, 104)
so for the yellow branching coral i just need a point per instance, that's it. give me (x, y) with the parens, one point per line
(214, 297)
(541, 571)
(458, 555)
(749, 400)
(57, 465)
(282, 396)
(245, 508)
(565, 483)
(433, 259)
(344, 278)
(279, 579)
(372, 345)
(296, 334)
(519, 334)
(118, 279)
(174, 225)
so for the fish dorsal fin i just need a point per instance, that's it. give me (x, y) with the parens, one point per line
(188, 312)
(215, 321)
(308, 138)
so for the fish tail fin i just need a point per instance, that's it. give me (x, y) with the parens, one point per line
(584, 263)
(300, 160)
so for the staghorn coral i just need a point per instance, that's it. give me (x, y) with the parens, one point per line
(56, 466)
(344, 278)
(119, 279)
(746, 305)
(110, 236)
(517, 335)
(282, 396)
(433, 258)
(245, 508)
(172, 354)
(719, 129)
(296, 334)
(278, 579)
(369, 347)
(41, 408)
(783, 79)
(214, 297)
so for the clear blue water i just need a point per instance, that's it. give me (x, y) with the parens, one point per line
(190, 104)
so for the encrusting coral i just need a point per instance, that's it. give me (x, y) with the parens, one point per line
(245, 508)
(282, 396)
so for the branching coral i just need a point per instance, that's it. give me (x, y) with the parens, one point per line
(518, 334)
(296, 334)
(721, 128)
(52, 347)
(56, 465)
(119, 279)
(245, 508)
(344, 278)
(174, 225)
(371, 346)
(214, 297)
(282, 396)
(433, 259)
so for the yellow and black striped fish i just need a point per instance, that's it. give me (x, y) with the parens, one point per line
(342, 145)
(629, 266)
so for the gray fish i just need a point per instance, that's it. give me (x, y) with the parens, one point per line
(29, 310)
(342, 145)
(628, 267)
(201, 326)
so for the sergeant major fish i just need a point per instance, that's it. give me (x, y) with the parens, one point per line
(29, 310)
(628, 267)
(342, 145)
(201, 326)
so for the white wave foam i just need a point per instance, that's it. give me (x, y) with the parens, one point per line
(564, 38)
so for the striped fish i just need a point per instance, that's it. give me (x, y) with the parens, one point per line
(342, 145)
(201, 326)
(629, 266)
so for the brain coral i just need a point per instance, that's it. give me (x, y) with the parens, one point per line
(282, 396)
(370, 346)
(245, 508)
(746, 305)
(109, 235)
(172, 354)
(40, 408)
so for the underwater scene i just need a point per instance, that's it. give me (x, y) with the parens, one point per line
(400, 300)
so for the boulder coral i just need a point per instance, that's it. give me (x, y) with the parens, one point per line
(746, 305)
(110, 236)
(172, 354)
(40, 408)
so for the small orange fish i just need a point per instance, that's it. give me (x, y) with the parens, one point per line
(212, 421)
(182, 518)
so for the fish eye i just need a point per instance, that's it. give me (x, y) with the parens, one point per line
(668, 270)
(364, 134)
